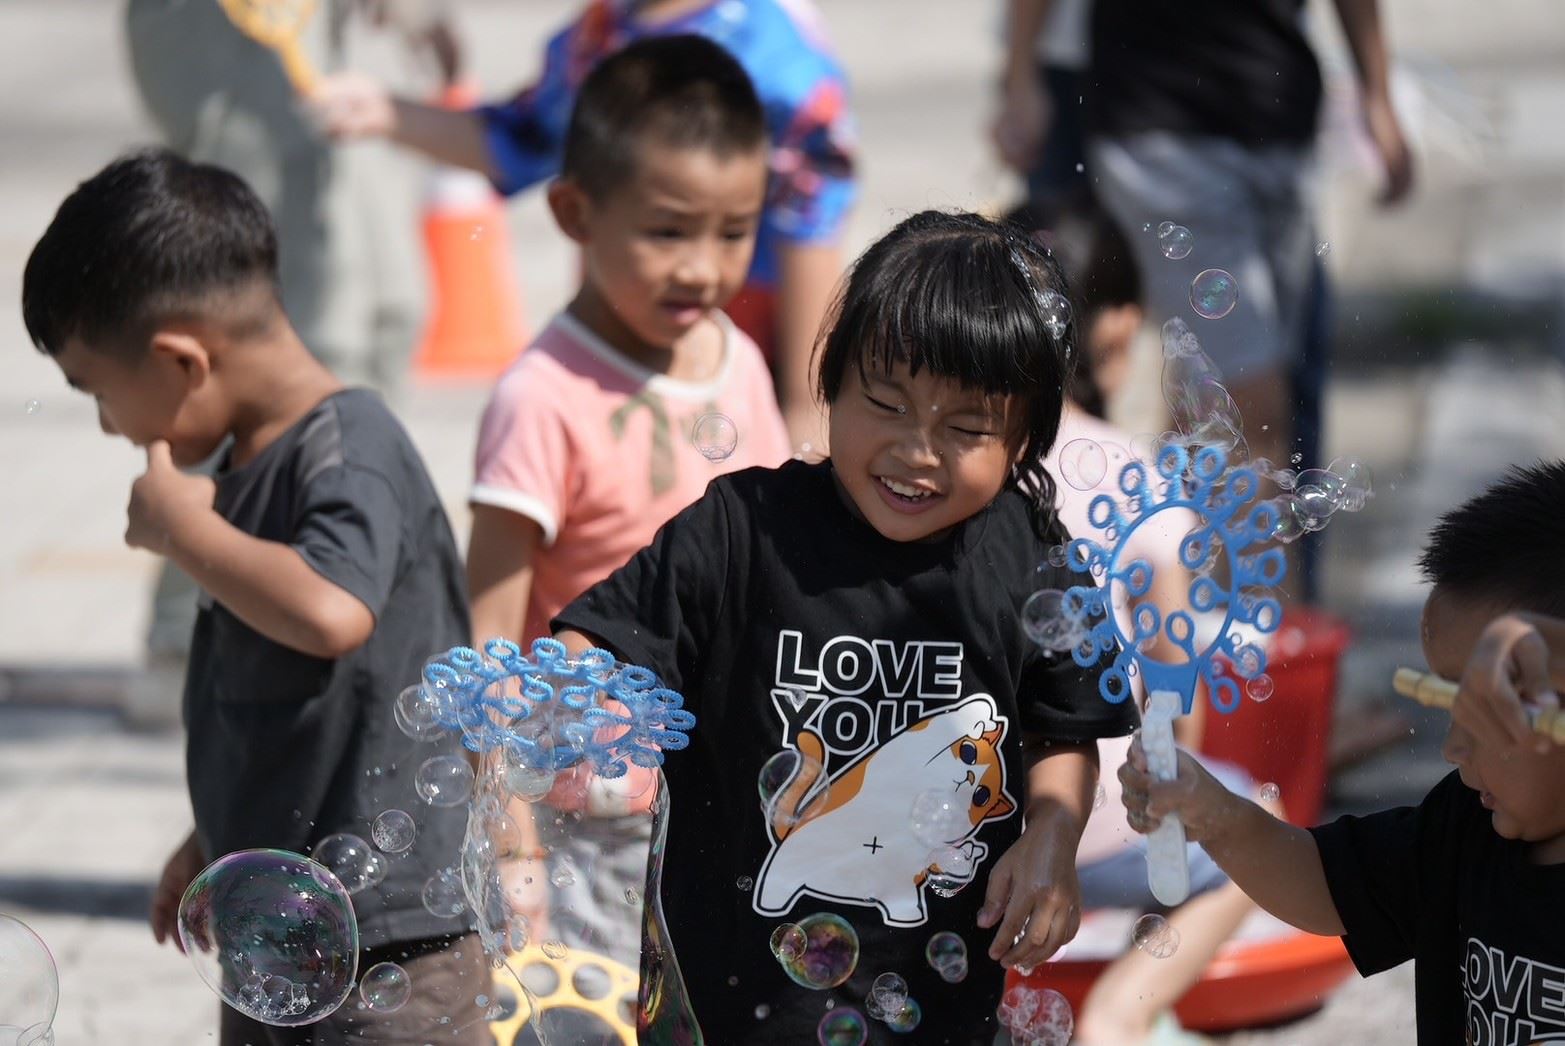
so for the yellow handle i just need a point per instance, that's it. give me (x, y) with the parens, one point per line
(1433, 691)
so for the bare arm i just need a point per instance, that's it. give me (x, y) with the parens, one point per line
(1024, 22)
(1273, 862)
(451, 136)
(1361, 25)
(1025, 109)
(269, 586)
(808, 274)
(500, 554)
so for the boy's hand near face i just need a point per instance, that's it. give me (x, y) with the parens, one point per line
(1506, 675)
(163, 497)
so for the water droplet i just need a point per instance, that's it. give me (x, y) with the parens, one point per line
(1270, 792)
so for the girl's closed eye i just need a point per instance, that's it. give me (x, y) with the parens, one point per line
(883, 405)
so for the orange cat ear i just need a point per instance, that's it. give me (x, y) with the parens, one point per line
(1002, 806)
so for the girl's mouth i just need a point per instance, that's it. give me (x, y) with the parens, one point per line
(905, 497)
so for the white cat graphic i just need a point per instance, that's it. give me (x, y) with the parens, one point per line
(851, 839)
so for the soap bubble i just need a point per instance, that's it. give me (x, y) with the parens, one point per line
(273, 934)
(1048, 623)
(715, 436)
(951, 859)
(417, 714)
(1154, 935)
(1058, 557)
(1037, 1016)
(1358, 483)
(1322, 248)
(386, 988)
(33, 407)
(831, 952)
(530, 776)
(777, 773)
(1269, 792)
(393, 831)
(1100, 796)
(1164, 228)
(744, 883)
(842, 1026)
(889, 991)
(1176, 243)
(944, 884)
(1323, 484)
(555, 949)
(1056, 313)
(904, 1018)
(353, 862)
(946, 954)
(29, 986)
(788, 942)
(1214, 293)
(445, 780)
(443, 895)
(762, 1012)
(937, 817)
(1260, 688)
(1083, 464)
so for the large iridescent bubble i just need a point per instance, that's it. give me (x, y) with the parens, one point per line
(273, 933)
(830, 954)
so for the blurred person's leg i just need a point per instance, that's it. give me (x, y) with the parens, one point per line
(1058, 181)
(1223, 196)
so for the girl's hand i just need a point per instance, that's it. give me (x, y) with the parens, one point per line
(183, 866)
(1200, 801)
(1034, 887)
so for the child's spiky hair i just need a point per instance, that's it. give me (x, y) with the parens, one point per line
(1507, 545)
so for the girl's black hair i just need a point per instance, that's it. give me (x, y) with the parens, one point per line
(972, 300)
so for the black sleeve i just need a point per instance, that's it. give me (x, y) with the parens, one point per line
(1380, 870)
(1059, 701)
(348, 527)
(659, 609)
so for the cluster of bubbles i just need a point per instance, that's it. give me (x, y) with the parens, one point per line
(1036, 1016)
(29, 986)
(818, 952)
(1155, 935)
(1175, 241)
(273, 934)
(1056, 313)
(946, 954)
(890, 1002)
(715, 436)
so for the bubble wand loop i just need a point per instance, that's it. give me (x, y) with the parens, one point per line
(278, 24)
(1228, 525)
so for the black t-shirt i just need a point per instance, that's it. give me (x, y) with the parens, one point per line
(789, 623)
(1235, 69)
(1484, 926)
(285, 748)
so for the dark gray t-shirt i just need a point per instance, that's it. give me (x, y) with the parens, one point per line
(284, 748)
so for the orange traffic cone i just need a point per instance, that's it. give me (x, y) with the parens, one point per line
(475, 324)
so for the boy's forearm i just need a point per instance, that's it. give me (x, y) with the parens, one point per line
(451, 136)
(1024, 22)
(1276, 864)
(270, 587)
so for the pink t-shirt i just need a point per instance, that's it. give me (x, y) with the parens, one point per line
(598, 451)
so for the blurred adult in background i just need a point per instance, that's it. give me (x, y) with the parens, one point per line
(782, 45)
(351, 264)
(1204, 114)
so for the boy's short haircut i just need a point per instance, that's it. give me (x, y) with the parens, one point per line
(149, 239)
(683, 91)
(1503, 546)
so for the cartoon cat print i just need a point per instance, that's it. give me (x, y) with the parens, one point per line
(850, 838)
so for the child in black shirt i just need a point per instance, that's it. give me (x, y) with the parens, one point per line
(327, 568)
(1470, 884)
(863, 615)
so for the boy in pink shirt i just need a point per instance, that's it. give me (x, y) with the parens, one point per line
(588, 444)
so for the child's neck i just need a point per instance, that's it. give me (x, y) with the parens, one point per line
(695, 357)
(276, 382)
(1548, 851)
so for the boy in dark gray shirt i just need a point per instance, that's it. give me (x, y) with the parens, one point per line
(327, 568)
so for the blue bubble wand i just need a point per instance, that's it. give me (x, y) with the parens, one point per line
(1229, 524)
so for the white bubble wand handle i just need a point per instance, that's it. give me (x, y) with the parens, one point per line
(1168, 874)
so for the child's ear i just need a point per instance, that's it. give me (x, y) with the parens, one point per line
(570, 206)
(185, 353)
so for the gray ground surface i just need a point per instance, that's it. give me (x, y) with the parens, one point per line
(1443, 376)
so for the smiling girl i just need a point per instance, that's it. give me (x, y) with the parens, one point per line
(863, 613)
